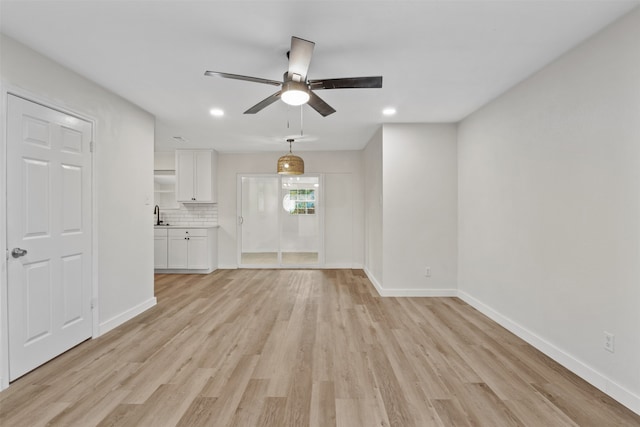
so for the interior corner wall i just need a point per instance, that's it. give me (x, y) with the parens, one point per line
(372, 161)
(419, 188)
(549, 202)
(123, 176)
(337, 167)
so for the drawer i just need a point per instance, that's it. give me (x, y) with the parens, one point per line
(160, 233)
(185, 232)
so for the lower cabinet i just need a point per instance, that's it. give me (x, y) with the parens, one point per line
(160, 245)
(190, 249)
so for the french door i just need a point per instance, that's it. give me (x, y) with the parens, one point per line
(280, 221)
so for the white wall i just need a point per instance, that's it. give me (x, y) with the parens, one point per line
(123, 176)
(339, 218)
(164, 160)
(419, 176)
(549, 201)
(347, 163)
(411, 203)
(372, 159)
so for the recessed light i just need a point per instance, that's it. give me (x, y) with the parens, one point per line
(216, 112)
(180, 139)
(389, 111)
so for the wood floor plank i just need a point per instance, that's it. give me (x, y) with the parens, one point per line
(250, 406)
(200, 412)
(360, 412)
(319, 348)
(323, 405)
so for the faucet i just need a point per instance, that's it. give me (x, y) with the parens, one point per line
(156, 211)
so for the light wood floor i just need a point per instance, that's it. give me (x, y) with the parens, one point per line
(307, 347)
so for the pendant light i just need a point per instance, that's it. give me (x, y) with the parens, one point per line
(290, 164)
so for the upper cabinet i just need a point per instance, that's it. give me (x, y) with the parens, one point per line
(195, 173)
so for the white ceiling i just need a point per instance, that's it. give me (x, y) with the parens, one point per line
(441, 60)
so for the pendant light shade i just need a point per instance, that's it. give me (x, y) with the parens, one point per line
(290, 164)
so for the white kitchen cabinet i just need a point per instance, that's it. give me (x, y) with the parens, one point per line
(160, 249)
(195, 175)
(191, 249)
(178, 250)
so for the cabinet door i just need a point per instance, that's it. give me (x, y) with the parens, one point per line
(203, 182)
(178, 246)
(160, 252)
(184, 176)
(198, 252)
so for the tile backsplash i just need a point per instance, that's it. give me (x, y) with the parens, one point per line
(198, 214)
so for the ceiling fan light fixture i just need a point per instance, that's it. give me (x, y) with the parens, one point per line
(294, 93)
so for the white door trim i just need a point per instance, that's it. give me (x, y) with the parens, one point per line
(6, 90)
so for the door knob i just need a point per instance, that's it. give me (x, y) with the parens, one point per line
(17, 252)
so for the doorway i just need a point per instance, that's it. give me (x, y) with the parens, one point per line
(49, 233)
(280, 221)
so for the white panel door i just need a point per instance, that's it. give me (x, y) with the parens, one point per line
(48, 233)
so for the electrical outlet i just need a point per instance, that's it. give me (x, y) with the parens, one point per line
(427, 271)
(609, 342)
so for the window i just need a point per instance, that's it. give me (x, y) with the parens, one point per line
(301, 201)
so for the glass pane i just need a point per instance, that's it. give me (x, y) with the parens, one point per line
(260, 204)
(300, 237)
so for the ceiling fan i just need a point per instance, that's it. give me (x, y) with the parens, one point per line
(296, 89)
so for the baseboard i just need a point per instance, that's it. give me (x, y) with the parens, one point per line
(182, 271)
(373, 280)
(440, 293)
(119, 319)
(593, 377)
(342, 266)
(409, 292)
(326, 266)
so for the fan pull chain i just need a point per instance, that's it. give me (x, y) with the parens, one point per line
(301, 122)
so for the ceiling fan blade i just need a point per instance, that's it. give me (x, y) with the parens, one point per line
(264, 103)
(239, 77)
(373, 82)
(300, 57)
(319, 105)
